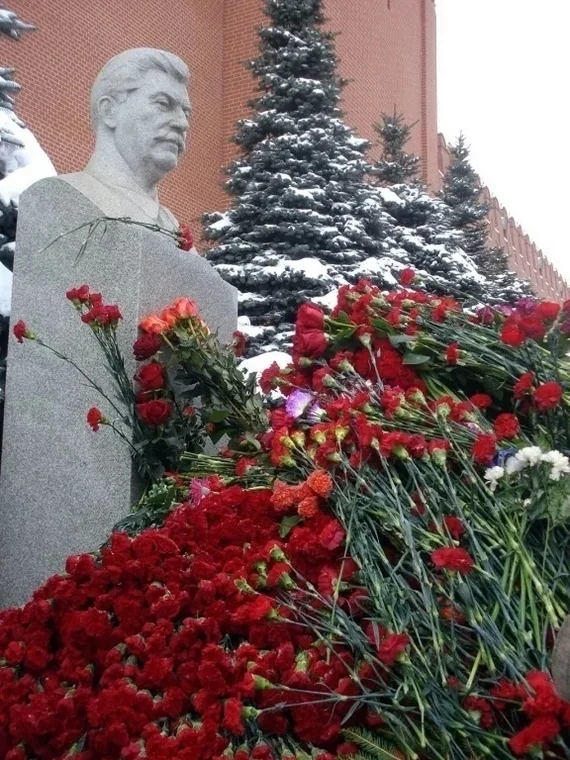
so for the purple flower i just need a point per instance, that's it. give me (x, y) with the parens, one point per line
(315, 413)
(297, 402)
(198, 490)
(526, 306)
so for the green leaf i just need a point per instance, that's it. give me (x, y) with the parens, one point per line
(217, 415)
(415, 359)
(287, 525)
(397, 340)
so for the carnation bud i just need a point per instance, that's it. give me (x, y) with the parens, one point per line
(243, 586)
(304, 362)
(439, 456)
(299, 438)
(262, 684)
(278, 554)
(340, 433)
(366, 340)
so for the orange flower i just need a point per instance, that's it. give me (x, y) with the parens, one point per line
(320, 482)
(284, 496)
(308, 507)
(153, 325)
(183, 308)
(168, 316)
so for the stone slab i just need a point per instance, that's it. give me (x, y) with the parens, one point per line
(63, 487)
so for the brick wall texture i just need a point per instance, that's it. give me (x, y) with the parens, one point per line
(387, 51)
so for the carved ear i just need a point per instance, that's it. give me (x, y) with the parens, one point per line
(107, 107)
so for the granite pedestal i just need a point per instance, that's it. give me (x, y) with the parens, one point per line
(62, 486)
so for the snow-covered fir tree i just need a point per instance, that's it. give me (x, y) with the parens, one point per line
(303, 216)
(462, 193)
(424, 231)
(396, 165)
(305, 219)
(22, 162)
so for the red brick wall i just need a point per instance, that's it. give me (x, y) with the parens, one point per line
(387, 51)
(58, 63)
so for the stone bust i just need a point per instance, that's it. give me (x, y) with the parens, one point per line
(139, 114)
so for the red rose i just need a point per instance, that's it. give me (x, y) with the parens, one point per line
(95, 418)
(21, 331)
(146, 346)
(547, 396)
(239, 341)
(483, 448)
(451, 558)
(506, 426)
(481, 400)
(185, 237)
(393, 646)
(407, 276)
(154, 413)
(512, 334)
(151, 377)
(548, 310)
(523, 385)
(452, 353)
(311, 343)
(310, 317)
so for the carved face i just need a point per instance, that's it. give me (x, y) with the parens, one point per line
(150, 125)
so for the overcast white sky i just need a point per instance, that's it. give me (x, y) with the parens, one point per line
(504, 79)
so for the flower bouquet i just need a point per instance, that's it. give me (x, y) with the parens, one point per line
(375, 565)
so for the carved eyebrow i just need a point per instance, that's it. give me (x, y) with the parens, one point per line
(173, 101)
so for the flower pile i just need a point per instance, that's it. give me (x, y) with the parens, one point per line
(376, 565)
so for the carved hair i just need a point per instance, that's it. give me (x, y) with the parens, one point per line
(122, 74)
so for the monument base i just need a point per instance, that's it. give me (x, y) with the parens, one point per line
(62, 486)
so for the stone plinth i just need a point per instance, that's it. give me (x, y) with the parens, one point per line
(63, 487)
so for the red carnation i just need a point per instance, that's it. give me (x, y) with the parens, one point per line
(451, 558)
(268, 377)
(506, 426)
(535, 736)
(512, 334)
(523, 385)
(481, 400)
(154, 413)
(146, 346)
(80, 294)
(407, 276)
(232, 721)
(95, 418)
(185, 237)
(452, 353)
(21, 331)
(151, 377)
(548, 395)
(393, 646)
(454, 525)
(483, 448)
(548, 310)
